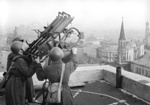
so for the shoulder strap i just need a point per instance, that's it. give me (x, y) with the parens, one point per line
(16, 57)
(60, 83)
(62, 73)
(10, 67)
(13, 63)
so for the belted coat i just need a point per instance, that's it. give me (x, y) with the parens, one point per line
(53, 74)
(15, 89)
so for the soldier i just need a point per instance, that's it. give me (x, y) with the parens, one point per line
(11, 55)
(15, 89)
(53, 72)
(29, 85)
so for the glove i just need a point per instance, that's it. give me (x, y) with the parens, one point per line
(43, 63)
(74, 50)
(37, 60)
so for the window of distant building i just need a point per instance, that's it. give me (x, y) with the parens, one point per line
(124, 58)
(142, 72)
(138, 71)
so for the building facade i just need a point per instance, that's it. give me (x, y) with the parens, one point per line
(90, 46)
(122, 53)
(91, 50)
(141, 66)
(147, 35)
(107, 54)
(92, 40)
(128, 51)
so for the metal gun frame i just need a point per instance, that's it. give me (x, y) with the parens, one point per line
(52, 32)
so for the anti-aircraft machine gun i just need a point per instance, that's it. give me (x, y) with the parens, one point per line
(54, 34)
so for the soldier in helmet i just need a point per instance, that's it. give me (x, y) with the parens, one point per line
(10, 56)
(15, 89)
(29, 85)
(53, 72)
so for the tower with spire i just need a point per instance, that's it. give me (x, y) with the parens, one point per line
(147, 35)
(15, 32)
(122, 46)
(126, 52)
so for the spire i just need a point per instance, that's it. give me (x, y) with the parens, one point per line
(147, 25)
(122, 35)
(16, 31)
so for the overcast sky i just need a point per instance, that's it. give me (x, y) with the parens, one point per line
(89, 14)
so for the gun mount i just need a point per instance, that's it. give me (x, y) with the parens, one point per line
(56, 30)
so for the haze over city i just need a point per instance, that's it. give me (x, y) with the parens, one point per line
(91, 16)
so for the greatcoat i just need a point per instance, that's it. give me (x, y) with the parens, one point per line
(53, 74)
(15, 89)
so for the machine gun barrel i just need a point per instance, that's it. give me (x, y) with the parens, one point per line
(52, 24)
(57, 26)
(43, 34)
(64, 24)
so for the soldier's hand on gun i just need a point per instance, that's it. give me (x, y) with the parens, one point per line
(74, 50)
(37, 60)
(43, 61)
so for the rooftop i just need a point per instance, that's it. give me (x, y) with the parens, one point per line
(144, 61)
(98, 93)
(109, 48)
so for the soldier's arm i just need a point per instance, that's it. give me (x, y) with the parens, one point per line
(73, 60)
(26, 71)
(69, 57)
(73, 63)
(40, 75)
(9, 60)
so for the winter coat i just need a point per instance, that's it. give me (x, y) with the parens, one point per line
(29, 85)
(15, 89)
(9, 60)
(53, 74)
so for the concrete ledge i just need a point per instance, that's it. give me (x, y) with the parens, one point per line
(109, 77)
(131, 82)
(136, 84)
(86, 74)
(82, 74)
(136, 88)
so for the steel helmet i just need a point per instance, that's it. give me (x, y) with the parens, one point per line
(56, 54)
(16, 46)
(17, 39)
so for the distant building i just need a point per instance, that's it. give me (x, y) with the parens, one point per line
(107, 54)
(147, 36)
(90, 50)
(128, 51)
(3, 41)
(141, 66)
(90, 46)
(92, 40)
(82, 39)
(107, 43)
(12, 36)
(123, 52)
